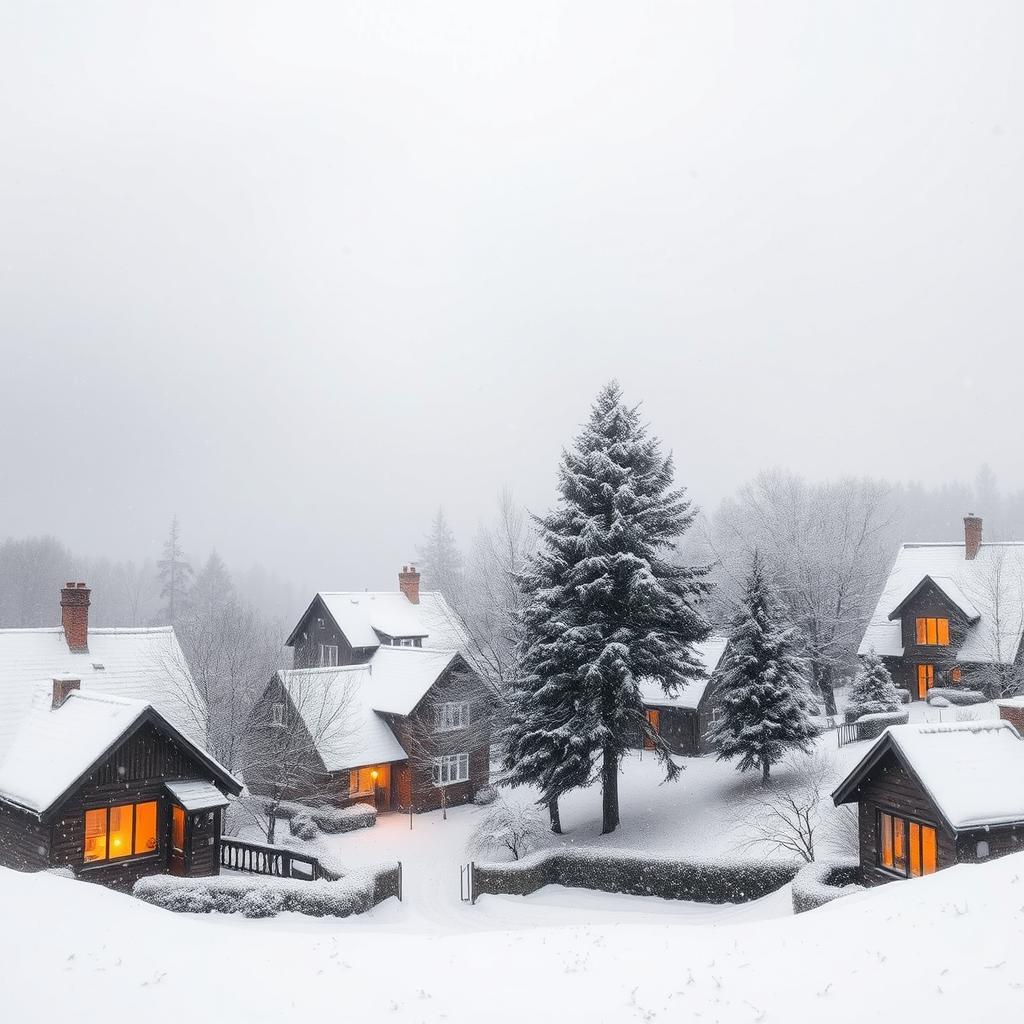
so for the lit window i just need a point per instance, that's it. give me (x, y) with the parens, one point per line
(933, 632)
(328, 655)
(925, 680)
(366, 781)
(451, 715)
(956, 674)
(123, 831)
(451, 768)
(178, 829)
(905, 847)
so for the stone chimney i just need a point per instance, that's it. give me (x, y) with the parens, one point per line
(63, 687)
(972, 536)
(74, 615)
(409, 583)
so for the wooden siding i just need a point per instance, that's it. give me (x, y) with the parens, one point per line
(24, 840)
(306, 652)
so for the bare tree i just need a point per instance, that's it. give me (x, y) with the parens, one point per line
(790, 816)
(828, 546)
(510, 826)
(298, 734)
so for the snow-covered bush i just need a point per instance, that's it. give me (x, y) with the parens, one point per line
(870, 727)
(905, 697)
(825, 880)
(326, 818)
(508, 827)
(725, 881)
(485, 795)
(260, 896)
(873, 690)
(957, 695)
(303, 827)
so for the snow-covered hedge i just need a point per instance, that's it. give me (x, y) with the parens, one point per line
(870, 727)
(957, 695)
(260, 896)
(904, 694)
(326, 818)
(727, 881)
(822, 881)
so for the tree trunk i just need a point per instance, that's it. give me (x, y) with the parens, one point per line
(765, 769)
(609, 792)
(271, 826)
(825, 688)
(556, 817)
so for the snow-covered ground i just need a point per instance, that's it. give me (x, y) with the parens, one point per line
(949, 946)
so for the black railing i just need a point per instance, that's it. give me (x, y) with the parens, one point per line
(849, 732)
(261, 859)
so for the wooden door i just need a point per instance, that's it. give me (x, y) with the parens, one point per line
(925, 680)
(178, 861)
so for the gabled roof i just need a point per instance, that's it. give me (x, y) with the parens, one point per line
(138, 664)
(364, 617)
(710, 653)
(403, 675)
(55, 749)
(993, 579)
(336, 706)
(949, 588)
(973, 772)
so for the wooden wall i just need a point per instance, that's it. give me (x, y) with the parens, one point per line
(306, 652)
(24, 841)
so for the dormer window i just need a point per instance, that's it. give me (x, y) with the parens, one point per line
(933, 632)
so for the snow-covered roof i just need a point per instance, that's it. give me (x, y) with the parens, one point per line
(137, 664)
(54, 748)
(972, 771)
(196, 795)
(710, 653)
(950, 588)
(337, 707)
(367, 616)
(402, 676)
(994, 579)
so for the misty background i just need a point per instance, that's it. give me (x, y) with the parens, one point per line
(301, 275)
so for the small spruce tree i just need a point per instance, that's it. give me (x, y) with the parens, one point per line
(763, 695)
(175, 574)
(873, 691)
(440, 561)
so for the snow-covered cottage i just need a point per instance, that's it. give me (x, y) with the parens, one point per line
(933, 795)
(389, 710)
(949, 612)
(684, 720)
(102, 765)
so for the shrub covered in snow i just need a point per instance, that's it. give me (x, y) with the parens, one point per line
(957, 695)
(260, 896)
(905, 697)
(508, 827)
(873, 690)
(303, 827)
(822, 881)
(326, 818)
(727, 881)
(485, 795)
(870, 727)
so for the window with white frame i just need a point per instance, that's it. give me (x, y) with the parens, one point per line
(328, 655)
(451, 768)
(406, 641)
(277, 714)
(451, 715)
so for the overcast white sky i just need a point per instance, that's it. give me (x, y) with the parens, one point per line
(302, 273)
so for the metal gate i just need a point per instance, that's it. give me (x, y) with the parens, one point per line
(466, 882)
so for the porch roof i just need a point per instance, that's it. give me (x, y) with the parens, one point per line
(196, 795)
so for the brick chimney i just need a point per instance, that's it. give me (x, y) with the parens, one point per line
(74, 615)
(972, 536)
(409, 583)
(63, 687)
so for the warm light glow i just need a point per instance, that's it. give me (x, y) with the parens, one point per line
(925, 680)
(374, 774)
(145, 827)
(364, 781)
(96, 835)
(956, 674)
(906, 847)
(178, 828)
(933, 632)
(121, 830)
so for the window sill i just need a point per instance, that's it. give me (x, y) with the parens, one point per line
(454, 782)
(116, 862)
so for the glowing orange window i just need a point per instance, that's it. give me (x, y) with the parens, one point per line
(145, 827)
(925, 680)
(178, 829)
(929, 858)
(96, 835)
(956, 674)
(933, 632)
(120, 834)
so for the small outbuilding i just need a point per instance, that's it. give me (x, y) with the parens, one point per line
(933, 795)
(685, 718)
(107, 787)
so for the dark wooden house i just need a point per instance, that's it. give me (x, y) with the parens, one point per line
(684, 719)
(933, 795)
(950, 614)
(107, 787)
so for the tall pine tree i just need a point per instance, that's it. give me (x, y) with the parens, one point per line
(175, 574)
(765, 702)
(605, 608)
(439, 559)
